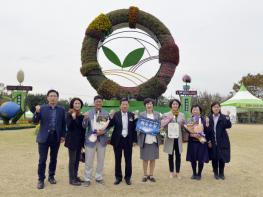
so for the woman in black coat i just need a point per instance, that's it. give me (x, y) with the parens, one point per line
(219, 152)
(74, 139)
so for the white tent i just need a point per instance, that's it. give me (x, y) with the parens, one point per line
(242, 102)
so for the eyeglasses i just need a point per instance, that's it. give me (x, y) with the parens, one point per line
(52, 95)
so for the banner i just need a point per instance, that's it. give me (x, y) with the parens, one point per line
(148, 126)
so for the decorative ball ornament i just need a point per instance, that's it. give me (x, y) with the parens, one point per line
(103, 26)
(9, 109)
(20, 76)
(186, 79)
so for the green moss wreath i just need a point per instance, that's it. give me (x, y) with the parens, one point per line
(102, 26)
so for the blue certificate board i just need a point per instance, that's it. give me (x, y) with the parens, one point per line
(148, 126)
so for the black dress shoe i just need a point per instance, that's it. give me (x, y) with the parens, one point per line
(52, 180)
(198, 177)
(216, 176)
(40, 185)
(79, 180)
(144, 179)
(128, 181)
(152, 179)
(75, 183)
(100, 182)
(222, 176)
(117, 181)
(193, 177)
(86, 183)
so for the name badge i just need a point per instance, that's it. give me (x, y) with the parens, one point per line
(173, 130)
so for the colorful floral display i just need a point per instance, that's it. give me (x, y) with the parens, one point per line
(101, 27)
(133, 14)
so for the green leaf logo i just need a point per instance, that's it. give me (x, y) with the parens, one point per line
(131, 59)
(111, 56)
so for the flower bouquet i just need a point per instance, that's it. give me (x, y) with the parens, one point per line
(100, 122)
(196, 129)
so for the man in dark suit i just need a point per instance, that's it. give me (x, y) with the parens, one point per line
(51, 133)
(123, 137)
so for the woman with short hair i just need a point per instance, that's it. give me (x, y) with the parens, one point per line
(197, 150)
(149, 144)
(173, 144)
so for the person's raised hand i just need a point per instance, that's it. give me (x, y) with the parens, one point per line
(86, 115)
(74, 115)
(38, 108)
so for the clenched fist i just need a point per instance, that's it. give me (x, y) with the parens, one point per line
(86, 115)
(37, 108)
(74, 115)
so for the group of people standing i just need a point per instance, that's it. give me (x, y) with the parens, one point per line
(78, 131)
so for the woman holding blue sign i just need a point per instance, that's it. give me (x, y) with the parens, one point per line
(172, 123)
(149, 139)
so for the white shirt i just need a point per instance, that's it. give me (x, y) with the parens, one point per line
(215, 118)
(94, 120)
(124, 117)
(150, 139)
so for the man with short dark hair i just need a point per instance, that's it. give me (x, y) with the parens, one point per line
(95, 141)
(122, 139)
(51, 133)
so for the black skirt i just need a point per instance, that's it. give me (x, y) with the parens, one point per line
(196, 151)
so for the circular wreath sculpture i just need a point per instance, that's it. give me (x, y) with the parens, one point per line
(104, 25)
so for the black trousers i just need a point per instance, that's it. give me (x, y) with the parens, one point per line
(218, 166)
(177, 158)
(73, 166)
(126, 147)
(53, 144)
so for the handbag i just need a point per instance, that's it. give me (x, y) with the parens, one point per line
(82, 156)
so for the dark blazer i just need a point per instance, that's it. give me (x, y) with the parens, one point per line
(116, 121)
(43, 118)
(75, 134)
(221, 150)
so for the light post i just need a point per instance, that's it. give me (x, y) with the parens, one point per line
(186, 96)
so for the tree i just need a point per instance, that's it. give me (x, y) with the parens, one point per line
(64, 103)
(162, 101)
(39, 99)
(205, 99)
(254, 84)
(35, 99)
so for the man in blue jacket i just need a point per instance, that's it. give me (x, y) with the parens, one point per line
(51, 133)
